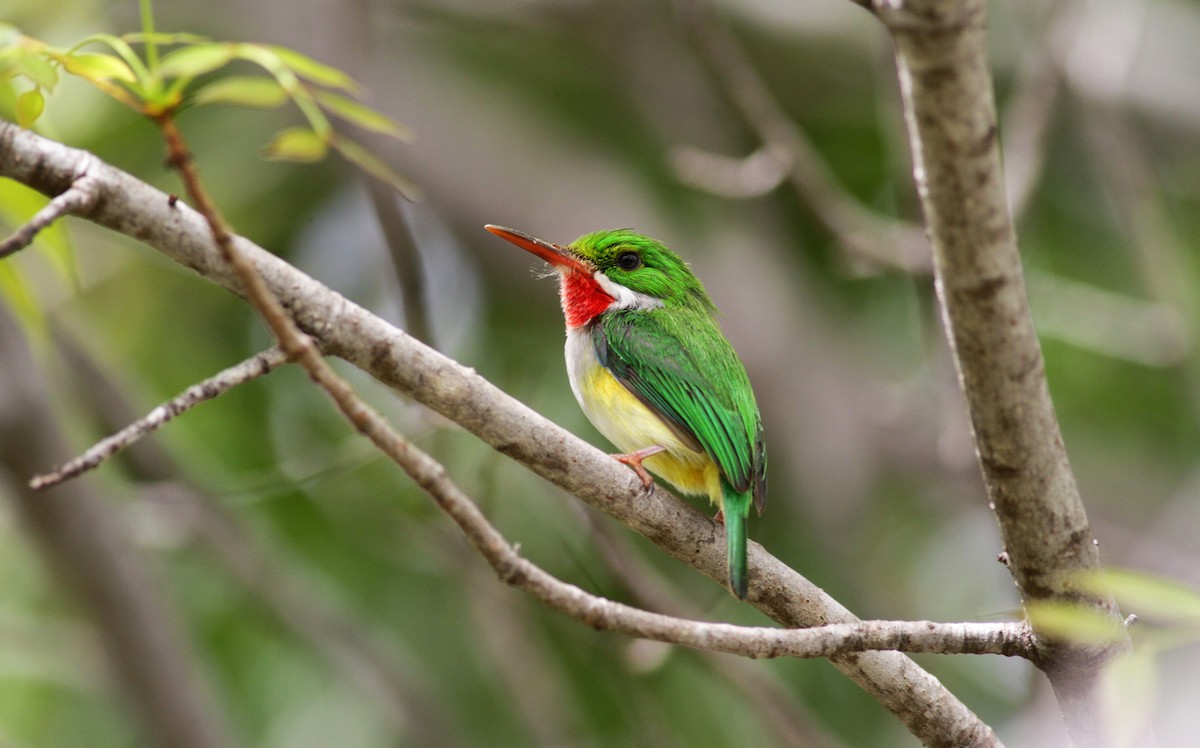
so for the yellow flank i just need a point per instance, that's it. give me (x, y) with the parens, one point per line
(631, 426)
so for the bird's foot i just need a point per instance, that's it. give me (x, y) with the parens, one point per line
(634, 460)
(719, 517)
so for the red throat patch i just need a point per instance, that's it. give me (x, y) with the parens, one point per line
(582, 298)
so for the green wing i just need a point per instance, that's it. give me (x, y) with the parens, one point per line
(680, 365)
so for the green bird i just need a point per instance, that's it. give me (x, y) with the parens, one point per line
(652, 371)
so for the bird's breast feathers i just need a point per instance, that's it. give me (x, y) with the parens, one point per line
(629, 424)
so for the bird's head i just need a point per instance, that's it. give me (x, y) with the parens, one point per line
(615, 269)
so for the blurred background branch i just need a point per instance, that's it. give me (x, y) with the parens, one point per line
(865, 234)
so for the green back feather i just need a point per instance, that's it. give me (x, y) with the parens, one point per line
(679, 364)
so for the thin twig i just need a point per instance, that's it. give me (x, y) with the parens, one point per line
(256, 366)
(378, 668)
(76, 200)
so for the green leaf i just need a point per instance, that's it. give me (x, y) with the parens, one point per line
(245, 90)
(267, 59)
(309, 69)
(118, 45)
(197, 59)
(1073, 622)
(30, 106)
(1146, 595)
(38, 69)
(361, 115)
(297, 144)
(365, 160)
(98, 67)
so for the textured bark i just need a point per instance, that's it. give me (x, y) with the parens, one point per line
(344, 329)
(941, 53)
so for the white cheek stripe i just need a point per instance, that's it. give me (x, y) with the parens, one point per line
(625, 298)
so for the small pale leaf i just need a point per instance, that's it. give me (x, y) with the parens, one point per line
(361, 115)
(1074, 622)
(116, 44)
(365, 160)
(30, 106)
(197, 59)
(244, 90)
(98, 67)
(1146, 595)
(317, 72)
(297, 144)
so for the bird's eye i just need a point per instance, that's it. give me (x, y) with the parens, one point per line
(629, 260)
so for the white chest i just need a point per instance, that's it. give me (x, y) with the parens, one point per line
(615, 412)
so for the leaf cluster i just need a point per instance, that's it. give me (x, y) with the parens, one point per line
(158, 74)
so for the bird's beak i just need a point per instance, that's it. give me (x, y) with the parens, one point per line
(559, 257)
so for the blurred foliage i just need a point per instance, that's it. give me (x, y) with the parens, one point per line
(1165, 616)
(558, 118)
(159, 87)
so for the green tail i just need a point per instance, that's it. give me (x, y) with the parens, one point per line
(737, 509)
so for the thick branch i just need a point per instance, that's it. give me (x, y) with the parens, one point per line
(941, 53)
(347, 330)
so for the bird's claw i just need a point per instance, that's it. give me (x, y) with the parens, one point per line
(634, 460)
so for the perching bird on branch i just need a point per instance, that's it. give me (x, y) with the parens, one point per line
(652, 371)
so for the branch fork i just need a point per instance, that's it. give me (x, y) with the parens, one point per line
(77, 200)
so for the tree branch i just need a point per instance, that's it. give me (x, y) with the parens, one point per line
(347, 330)
(256, 366)
(76, 199)
(946, 85)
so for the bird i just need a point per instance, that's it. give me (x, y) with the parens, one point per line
(652, 371)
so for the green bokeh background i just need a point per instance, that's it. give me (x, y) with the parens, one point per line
(560, 118)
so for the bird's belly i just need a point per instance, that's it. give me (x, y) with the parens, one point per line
(631, 425)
